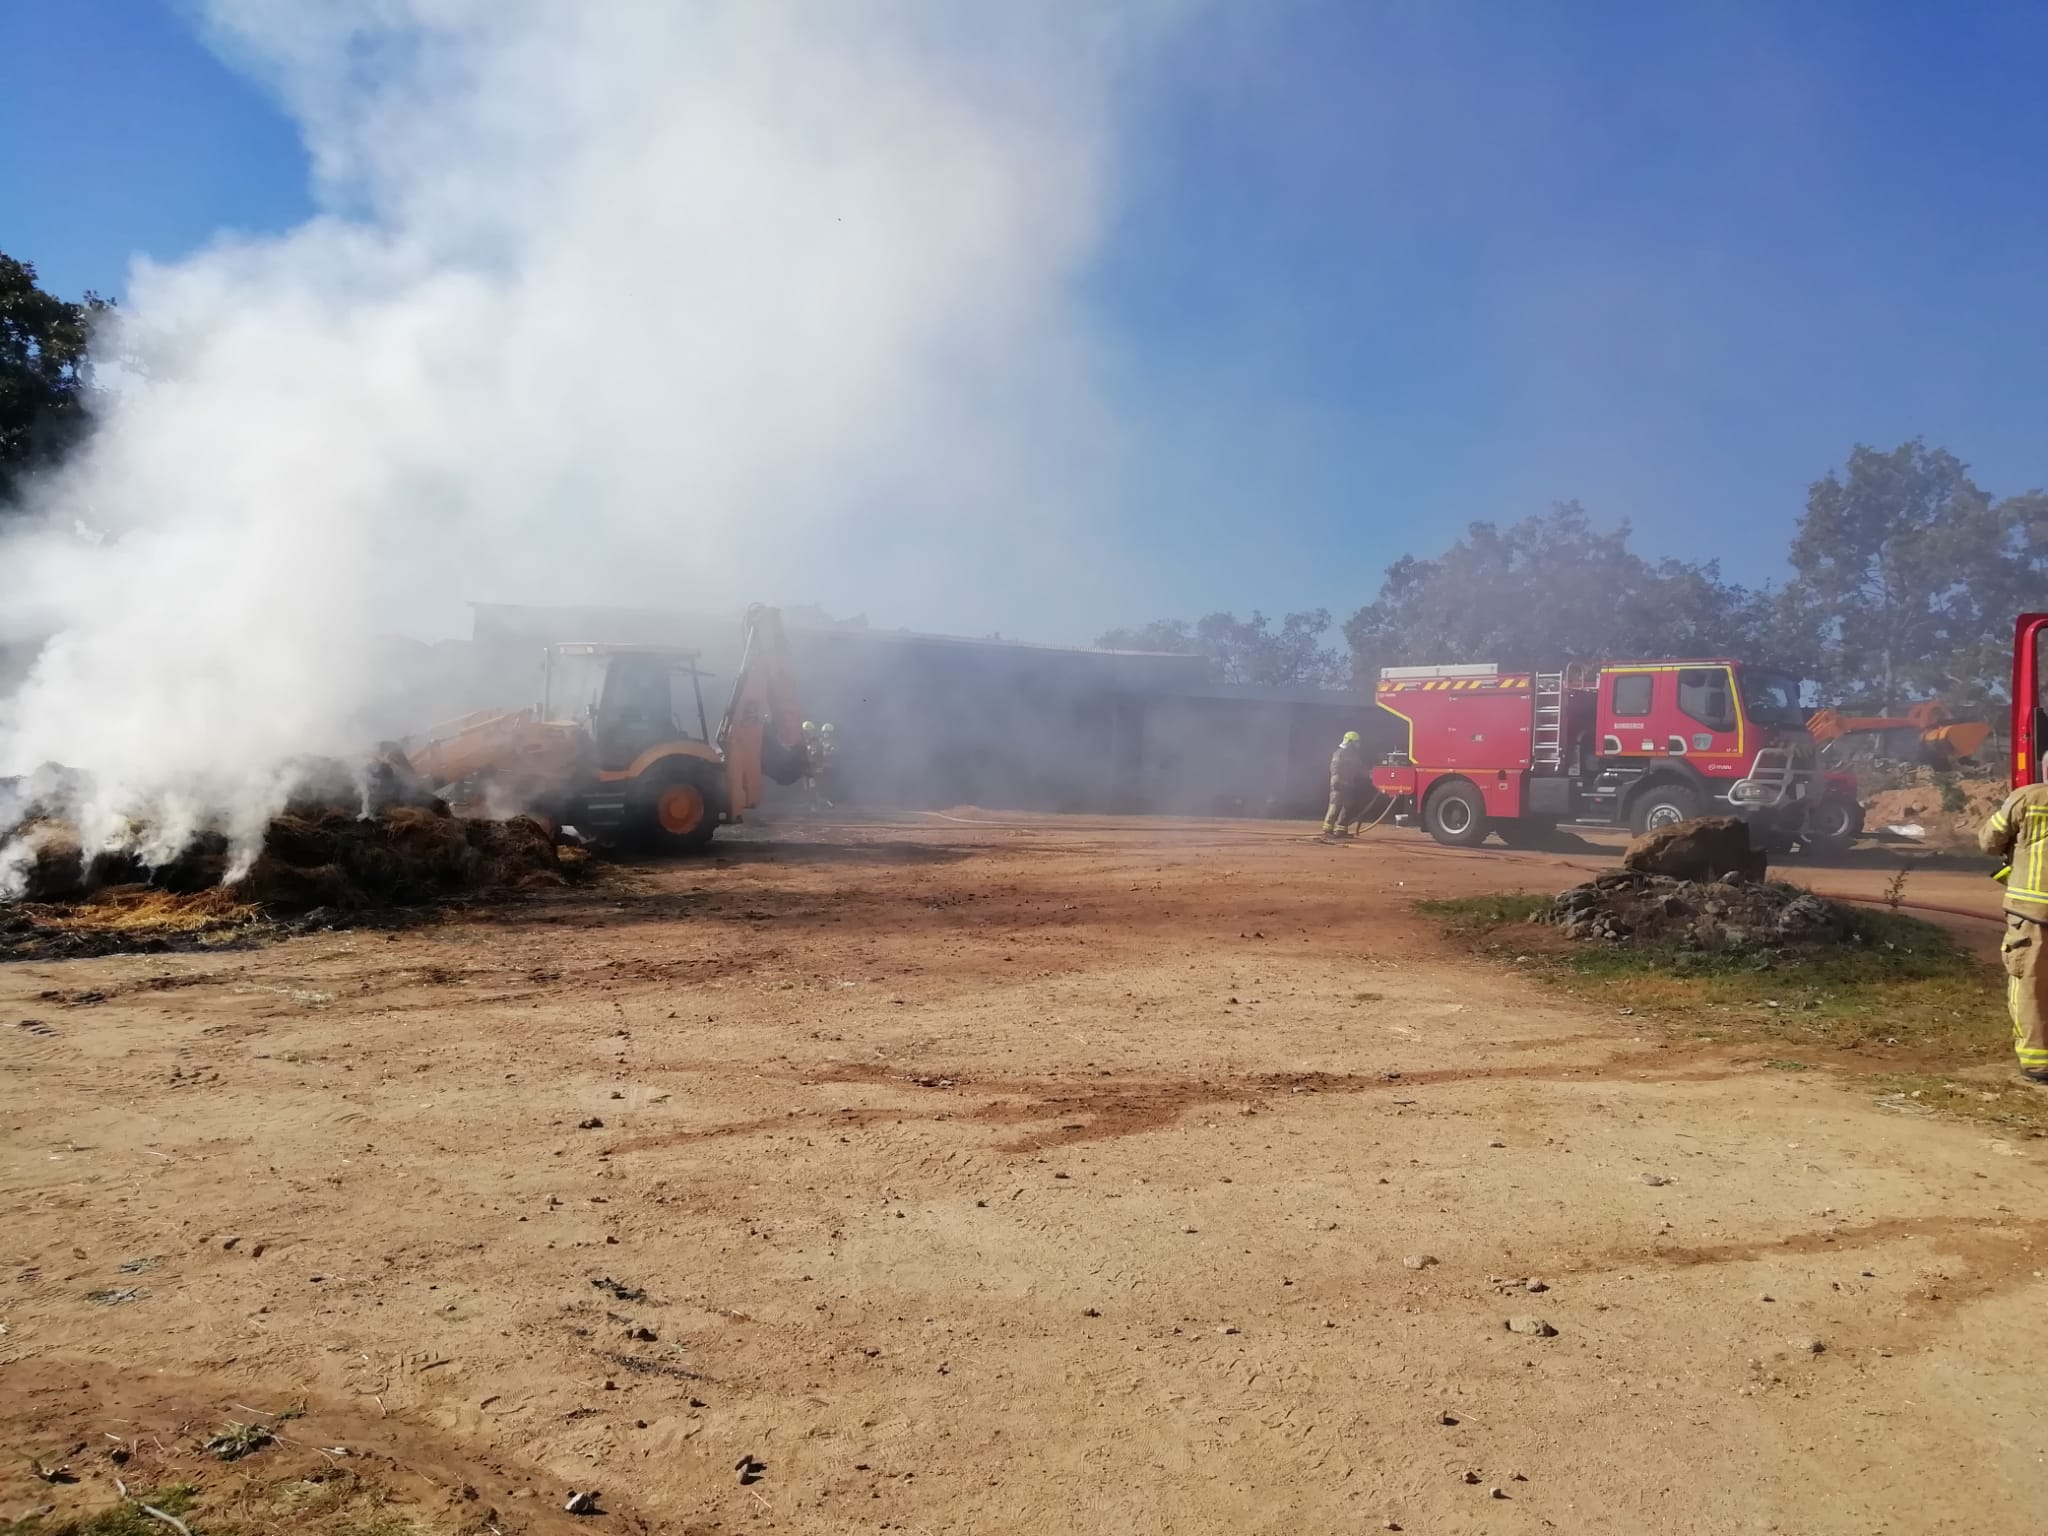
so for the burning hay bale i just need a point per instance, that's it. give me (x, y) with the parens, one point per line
(404, 857)
(32, 797)
(1633, 907)
(322, 860)
(44, 861)
(51, 866)
(385, 782)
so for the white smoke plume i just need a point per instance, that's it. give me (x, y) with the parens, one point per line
(655, 302)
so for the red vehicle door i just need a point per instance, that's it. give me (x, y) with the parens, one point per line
(2029, 708)
(1628, 710)
(1708, 729)
(1667, 710)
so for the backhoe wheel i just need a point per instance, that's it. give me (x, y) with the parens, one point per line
(1661, 806)
(1455, 814)
(676, 808)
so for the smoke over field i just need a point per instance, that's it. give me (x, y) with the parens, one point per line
(677, 303)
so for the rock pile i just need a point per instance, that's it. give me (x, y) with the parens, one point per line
(1731, 913)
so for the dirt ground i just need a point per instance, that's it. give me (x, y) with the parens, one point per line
(1000, 1174)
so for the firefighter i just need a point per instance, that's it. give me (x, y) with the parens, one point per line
(1348, 782)
(2018, 835)
(828, 764)
(814, 762)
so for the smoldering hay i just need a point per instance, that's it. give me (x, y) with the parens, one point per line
(648, 303)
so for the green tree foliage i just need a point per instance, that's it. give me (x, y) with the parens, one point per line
(1906, 579)
(45, 374)
(1552, 588)
(2009, 579)
(1909, 572)
(1248, 651)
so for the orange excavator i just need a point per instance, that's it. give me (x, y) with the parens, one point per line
(610, 750)
(1940, 740)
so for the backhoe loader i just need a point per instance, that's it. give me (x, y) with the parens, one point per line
(1938, 739)
(611, 750)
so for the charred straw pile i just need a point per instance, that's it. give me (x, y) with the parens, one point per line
(343, 845)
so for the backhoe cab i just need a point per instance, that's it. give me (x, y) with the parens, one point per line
(653, 774)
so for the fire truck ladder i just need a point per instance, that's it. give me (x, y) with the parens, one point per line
(1546, 746)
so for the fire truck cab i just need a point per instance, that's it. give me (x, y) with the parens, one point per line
(1641, 744)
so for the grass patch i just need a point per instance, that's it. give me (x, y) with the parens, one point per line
(2019, 1108)
(124, 1519)
(174, 1498)
(1897, 984)
(342, 1503)
(1929, 1015)
(1469, 916)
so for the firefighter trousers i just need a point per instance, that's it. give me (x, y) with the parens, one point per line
(2026, 990)
(1347, 805)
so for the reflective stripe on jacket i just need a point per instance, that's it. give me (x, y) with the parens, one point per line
(2018, 833)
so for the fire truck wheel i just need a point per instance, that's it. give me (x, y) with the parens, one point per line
(1662, 805)
(1833, 825)
(1455, 814)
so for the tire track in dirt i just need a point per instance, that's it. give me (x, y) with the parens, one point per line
(2004, 1245)
(1983, 1256)
(1107, 1111)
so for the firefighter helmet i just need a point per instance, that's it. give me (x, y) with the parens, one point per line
(1351, 738)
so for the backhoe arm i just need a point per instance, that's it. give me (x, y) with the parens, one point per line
(762, 732)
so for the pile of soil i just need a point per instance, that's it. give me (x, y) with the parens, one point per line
(1732, 913)
(1704, 848)
(1922, 804)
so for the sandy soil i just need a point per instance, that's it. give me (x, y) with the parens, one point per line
(987, 1174)
(1922, 806)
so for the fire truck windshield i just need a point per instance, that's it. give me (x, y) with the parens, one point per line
(1772, 698)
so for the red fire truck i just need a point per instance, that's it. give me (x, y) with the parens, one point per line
(1640, 744)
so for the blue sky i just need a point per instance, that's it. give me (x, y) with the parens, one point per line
(1374, 271)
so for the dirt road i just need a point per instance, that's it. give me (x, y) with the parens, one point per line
(1040, 1176)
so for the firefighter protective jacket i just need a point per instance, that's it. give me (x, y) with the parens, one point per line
(2018, 833)
(1348, 767)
